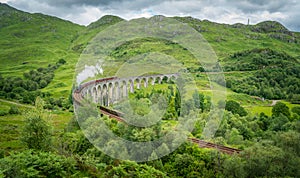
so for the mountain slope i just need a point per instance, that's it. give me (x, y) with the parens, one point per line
(28, 41)
(228, 39)
(92, 30)
(31, 41)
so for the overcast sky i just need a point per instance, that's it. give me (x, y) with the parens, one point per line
(223, 11)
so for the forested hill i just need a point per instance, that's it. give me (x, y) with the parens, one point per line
(32, 41)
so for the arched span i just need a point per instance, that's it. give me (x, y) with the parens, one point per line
(107, 91)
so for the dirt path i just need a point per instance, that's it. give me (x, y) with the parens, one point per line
(274, 102)
(15, 103)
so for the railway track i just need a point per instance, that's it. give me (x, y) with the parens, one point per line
(112, 114)
(221, 148)
(201, 143)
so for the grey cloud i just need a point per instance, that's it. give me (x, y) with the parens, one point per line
(106, 4)
(231, 11)
(69, 3)
(250, 6)
(37, 6)
(134, 4)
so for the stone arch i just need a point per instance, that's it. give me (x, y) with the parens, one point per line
(131, 85)
(99, 94)
(144, 82)
(110, 93)
(94, 94)
(104, 95)
(152, 80)
(158, 79)
(124, 89)
(116, 91)
(165, 79)
(137, 82)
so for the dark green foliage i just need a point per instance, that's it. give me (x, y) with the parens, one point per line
(258, 58)
(135, 133)
(27, 89)
(195, 70)
(268, 160)
(278, 123)
(276, 155)
(190, 161)
(61, 61)
(296, 110)
(288, 141)
(3, 113)
(294, 98)
(74, 143)
(262, 160)
(233, 167)
(277, 75)
(235, 108)
(263, 121)
(14, 110)
(42, 76)
(37, 164)
(132, 169)
(281, 108)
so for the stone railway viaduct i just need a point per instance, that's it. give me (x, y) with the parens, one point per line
(110, 90)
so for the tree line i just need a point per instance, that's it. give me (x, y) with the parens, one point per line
(25, 89)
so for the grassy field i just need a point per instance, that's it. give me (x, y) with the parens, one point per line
(267, 109)
(10, 127)
(11, 124)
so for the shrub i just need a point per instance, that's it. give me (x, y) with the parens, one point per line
(3, 113)
(36, 133)
(61, 61)
(37, 164)
(235, 108)
(296, 110)
(14, 110)
(280, 108)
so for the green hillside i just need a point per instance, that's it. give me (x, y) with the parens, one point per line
(228, 39)
(30, 41)
(92, 30)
